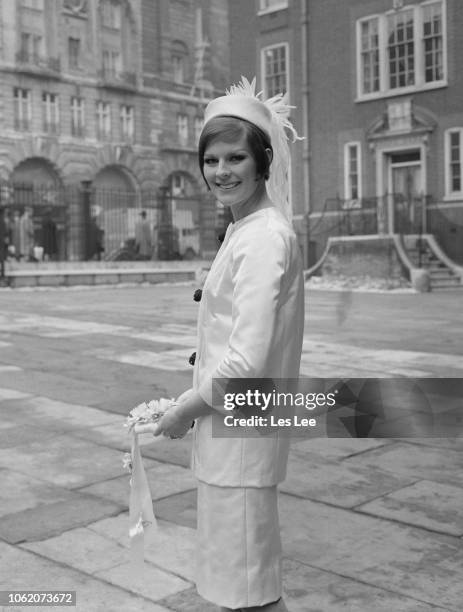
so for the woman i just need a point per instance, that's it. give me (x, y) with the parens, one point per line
(250, 325)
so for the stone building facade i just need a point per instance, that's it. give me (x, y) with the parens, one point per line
(109, 93)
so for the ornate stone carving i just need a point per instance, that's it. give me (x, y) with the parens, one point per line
(77, 7)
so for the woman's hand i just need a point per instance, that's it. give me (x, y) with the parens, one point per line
(148, 428)
(173, 424)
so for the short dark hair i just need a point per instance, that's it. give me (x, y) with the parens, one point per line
(230, 129)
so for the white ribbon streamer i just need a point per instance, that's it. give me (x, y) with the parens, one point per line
(141, 514)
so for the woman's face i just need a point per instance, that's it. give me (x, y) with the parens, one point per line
(230, 171)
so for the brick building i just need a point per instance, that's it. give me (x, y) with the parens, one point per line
(109, 92)
(386, 119)
(378, 90)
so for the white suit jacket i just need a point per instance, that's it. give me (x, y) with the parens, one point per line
(250, 325)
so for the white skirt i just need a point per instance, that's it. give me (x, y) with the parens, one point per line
(239, 546)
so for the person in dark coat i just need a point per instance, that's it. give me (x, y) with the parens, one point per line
(49, 236)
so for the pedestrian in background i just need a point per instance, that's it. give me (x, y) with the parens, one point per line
(143, 237)
(16, 235)
(49, 236)
(26, 235)
(250, 326)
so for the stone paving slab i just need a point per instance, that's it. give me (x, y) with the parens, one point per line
(56, 415)
(338, 448)
(14, 434)
(170, 546)
(427, 504)
(164, 480)
(20, 492)
(80, 548)
(7, 394)
(335, 482)
(51, 519)
(455, 444)
(414, 460)
(57, 386)
(179, 509)
(406, 560)
(177, 452)
(310, 589)
(24, 570)
(64, 461)
(152, 583)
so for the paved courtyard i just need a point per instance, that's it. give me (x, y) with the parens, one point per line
(367, 524)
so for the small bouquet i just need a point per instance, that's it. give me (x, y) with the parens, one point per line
(149, 412)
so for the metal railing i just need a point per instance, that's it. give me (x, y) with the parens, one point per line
(391, 213)
(85, 222)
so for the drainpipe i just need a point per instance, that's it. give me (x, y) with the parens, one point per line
(305, 18)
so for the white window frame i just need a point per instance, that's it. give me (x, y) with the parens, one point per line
(263, 51)
(182, 129)
(112, 62)
(449, 194)
(77, 116)
(103, 118)
(354, 202)
(22, 108)
(419, 69)
(50, 112)
(270, 6)
(127, 122)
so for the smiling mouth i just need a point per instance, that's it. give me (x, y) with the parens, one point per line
(227, 186)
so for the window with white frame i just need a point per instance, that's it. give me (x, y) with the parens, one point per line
(22, 108)
(103, 119)
(275, 64)
(50, 112)
(454, 162)
(266, 6)
(352, 172)
(433, 42)
(182, 129)
(31, 46)
(112, 62)
(401, 50)
(77, 116)
(127, 122)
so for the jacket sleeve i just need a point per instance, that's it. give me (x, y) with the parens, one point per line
(259, 263)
